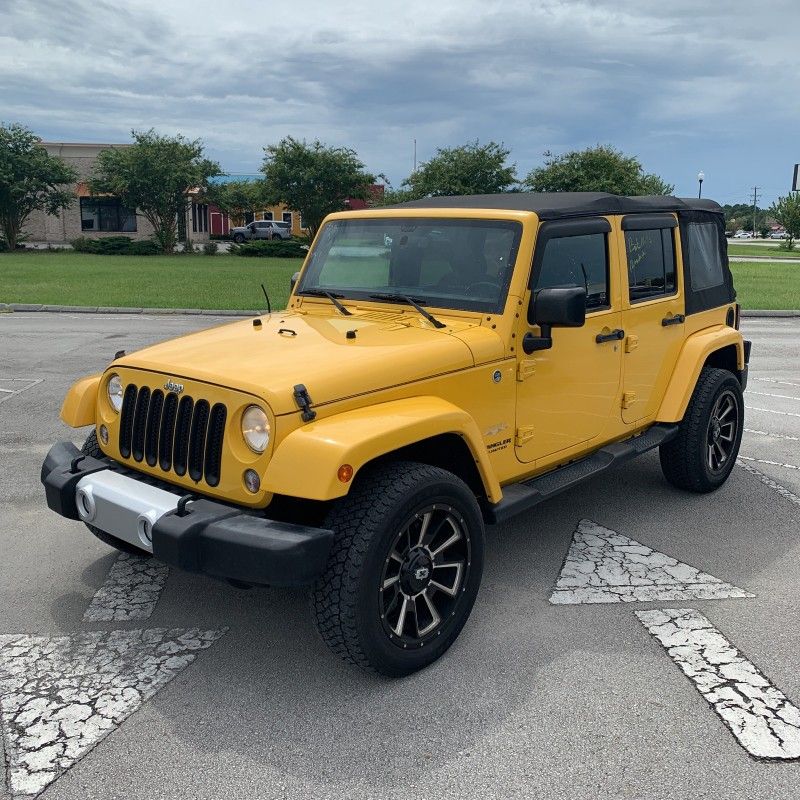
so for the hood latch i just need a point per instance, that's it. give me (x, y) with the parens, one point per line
(303, 400)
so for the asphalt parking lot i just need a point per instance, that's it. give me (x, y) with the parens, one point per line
(121, 680)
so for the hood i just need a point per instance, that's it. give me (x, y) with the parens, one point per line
(289, 348)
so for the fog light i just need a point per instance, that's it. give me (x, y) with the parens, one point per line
(251, 481)
(345, 473)
(104, 434)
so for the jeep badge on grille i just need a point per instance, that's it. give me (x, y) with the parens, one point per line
(171, 386)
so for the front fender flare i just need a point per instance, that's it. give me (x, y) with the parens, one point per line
(306, 462)
(693, 355)
(80, 405)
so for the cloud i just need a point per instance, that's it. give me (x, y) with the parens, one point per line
(683, 86)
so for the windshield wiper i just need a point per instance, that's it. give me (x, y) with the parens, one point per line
(404, 298)
(331, 296)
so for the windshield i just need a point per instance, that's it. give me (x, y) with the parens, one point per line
(449, 263)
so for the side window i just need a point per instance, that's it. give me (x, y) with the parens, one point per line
(705, 259)
(651, 263)
(577, 261)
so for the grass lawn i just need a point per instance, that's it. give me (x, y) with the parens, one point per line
(78, 279)
(761, 250)
(760, 284)
(193, 281)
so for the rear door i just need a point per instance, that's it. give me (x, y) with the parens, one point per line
(654, 313)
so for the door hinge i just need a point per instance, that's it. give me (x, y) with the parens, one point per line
(523, 435)
(525, 369)
(631, 343)
(628, 399)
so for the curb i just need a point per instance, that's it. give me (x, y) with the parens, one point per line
(227, 312)
(216, 312)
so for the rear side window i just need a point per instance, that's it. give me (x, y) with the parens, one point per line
(651, 263)
(705, 259)
(577, 261)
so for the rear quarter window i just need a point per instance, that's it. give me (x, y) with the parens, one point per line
(705, 259)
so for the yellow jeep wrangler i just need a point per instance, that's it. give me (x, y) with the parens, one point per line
(442, 364)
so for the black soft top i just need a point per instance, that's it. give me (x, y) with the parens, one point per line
(561, 205)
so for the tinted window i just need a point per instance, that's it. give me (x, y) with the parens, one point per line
(651, 263)
(450, 263)
(705, 259)
(106, 214)
(577, 261)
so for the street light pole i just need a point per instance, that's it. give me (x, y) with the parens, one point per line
(700, 178)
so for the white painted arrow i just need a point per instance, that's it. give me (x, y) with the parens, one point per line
(130, 591)
(603, 566)
(760, 716)
(60, 696)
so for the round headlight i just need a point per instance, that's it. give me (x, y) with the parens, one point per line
(255, 428)
(114, 388)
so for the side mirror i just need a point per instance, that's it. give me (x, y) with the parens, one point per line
(554, 308)
(293, 281)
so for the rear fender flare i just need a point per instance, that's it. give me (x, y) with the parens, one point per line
(693, 356)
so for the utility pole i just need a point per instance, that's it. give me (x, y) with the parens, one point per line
(755, 209)
(415, 155)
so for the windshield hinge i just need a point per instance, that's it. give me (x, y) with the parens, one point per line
(303, 400)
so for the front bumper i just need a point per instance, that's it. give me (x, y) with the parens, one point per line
(198, 535)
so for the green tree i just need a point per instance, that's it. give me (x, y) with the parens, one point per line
(237, 197)
(596, 169)
(471, 168)
(30, 180)
(787, 211)
(313, 179)
(153, 176)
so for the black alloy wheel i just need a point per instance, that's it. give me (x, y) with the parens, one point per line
(404, 569)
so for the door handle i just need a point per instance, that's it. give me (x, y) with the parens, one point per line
(676, 319)
(614, 336)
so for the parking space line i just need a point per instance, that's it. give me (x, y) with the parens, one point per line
(60, 696)
(603, 566)
(774, 380)
(769, 394)
(29, 384)
(767, 461)
(767, 481)
(130, 591)
(772, 411)
(761, 718)
(773, 435)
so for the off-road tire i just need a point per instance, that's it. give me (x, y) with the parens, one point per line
(345, 600)
(684, 458)
(92, 448)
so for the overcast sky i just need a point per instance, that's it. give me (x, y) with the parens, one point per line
(682, 86)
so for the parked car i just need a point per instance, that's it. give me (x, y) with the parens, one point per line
(261, 229)
(743, 235)
(496, 353)
(779, 235)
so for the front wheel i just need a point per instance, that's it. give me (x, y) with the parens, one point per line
(404, 570)
(702, 455)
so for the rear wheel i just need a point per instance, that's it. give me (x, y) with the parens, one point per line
(92, 448)
(238, 238)
(404, 570)
(702, 455)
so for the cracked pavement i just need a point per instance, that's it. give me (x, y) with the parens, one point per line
(534, 699)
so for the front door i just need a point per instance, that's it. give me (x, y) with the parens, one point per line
(568, 395)
(654, 315)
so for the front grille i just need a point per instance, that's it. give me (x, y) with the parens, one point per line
(178, 436)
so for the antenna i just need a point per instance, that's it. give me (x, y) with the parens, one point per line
(266, 296)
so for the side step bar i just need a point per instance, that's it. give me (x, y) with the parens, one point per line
(518, 497)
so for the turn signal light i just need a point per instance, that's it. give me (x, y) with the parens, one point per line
(345, 473)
